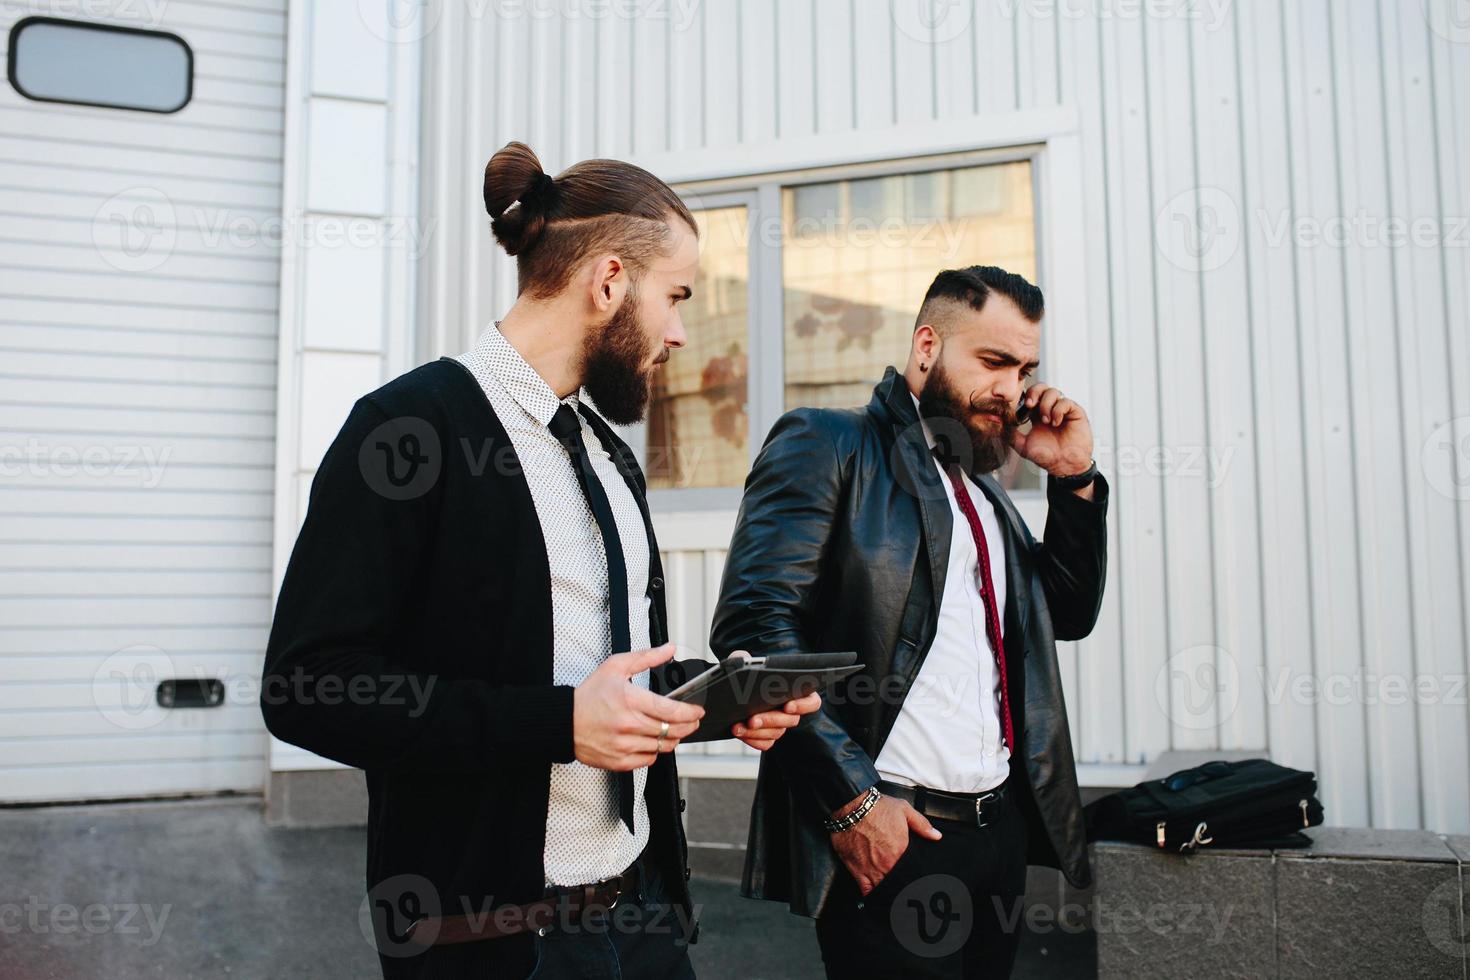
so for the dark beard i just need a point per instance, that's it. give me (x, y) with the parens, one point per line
(940, 402)
(612, 366)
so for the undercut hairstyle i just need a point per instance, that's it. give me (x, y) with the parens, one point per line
(551, 224)
(955, 291)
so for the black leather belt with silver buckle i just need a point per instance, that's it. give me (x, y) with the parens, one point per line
(560, 905)
(983, 808)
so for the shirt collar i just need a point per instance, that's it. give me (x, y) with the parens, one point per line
(520, 380)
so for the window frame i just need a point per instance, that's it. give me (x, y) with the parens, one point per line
(19, 26)
(761, 193)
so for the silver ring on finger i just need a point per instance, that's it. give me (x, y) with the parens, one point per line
(663, 733)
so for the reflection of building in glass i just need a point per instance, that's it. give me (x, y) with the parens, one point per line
(858, 256)
(698, 426)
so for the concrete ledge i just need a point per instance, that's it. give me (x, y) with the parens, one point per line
(1160, 915)
(1370, 903)
(317, 798)
(1357, 903)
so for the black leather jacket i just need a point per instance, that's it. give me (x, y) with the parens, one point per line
(842, 544)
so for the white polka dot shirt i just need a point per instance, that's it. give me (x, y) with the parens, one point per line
(585, 840)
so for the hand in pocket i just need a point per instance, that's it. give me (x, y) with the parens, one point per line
(872, 848)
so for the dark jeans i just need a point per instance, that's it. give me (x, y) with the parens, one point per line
(642, 938)
(949, 908)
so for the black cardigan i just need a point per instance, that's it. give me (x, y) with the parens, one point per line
(421, 567)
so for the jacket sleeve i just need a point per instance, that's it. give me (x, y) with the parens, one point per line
(769, 591)
(334, 685)
(1072, 560)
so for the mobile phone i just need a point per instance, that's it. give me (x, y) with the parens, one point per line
(1023, 413)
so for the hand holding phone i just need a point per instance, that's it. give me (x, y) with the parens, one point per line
(1023, 413)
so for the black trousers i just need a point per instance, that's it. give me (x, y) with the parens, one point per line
(641, 938)
(949, 908)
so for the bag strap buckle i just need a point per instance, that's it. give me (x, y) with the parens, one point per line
(1199, 838)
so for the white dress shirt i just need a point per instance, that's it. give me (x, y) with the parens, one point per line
(585, 840)
(948, 733)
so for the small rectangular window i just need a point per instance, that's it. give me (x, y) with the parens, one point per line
(55, 60)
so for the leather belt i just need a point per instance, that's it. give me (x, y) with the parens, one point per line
(982, 808)
(565, 904)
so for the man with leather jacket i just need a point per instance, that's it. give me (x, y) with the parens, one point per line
(903, 814)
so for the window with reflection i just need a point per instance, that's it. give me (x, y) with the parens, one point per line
(698, 424)
(858, 255)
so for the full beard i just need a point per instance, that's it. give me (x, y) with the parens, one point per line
(988, 451)
(614, 370)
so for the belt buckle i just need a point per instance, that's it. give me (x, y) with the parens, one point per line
(617, 882)
(589, 895)
(980, 802)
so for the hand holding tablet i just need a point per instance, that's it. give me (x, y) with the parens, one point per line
(742, 686)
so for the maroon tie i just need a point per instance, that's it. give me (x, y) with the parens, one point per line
(987, 592)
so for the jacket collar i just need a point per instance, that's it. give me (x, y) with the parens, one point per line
(892, 394)
(914, 468)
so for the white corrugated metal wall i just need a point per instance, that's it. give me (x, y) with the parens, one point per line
(1275, 272)
(137, 414)
(347, 283)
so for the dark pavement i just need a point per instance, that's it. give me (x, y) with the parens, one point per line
(206, 890)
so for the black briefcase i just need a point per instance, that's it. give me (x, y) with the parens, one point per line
(1251, 803)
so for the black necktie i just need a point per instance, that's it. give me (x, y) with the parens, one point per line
(568, 431)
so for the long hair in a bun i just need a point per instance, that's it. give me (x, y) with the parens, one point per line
(517, 197)
(551, 224)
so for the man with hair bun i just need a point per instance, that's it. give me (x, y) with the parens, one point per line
(474, 612)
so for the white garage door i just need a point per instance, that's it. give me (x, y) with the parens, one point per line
(139, 259)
